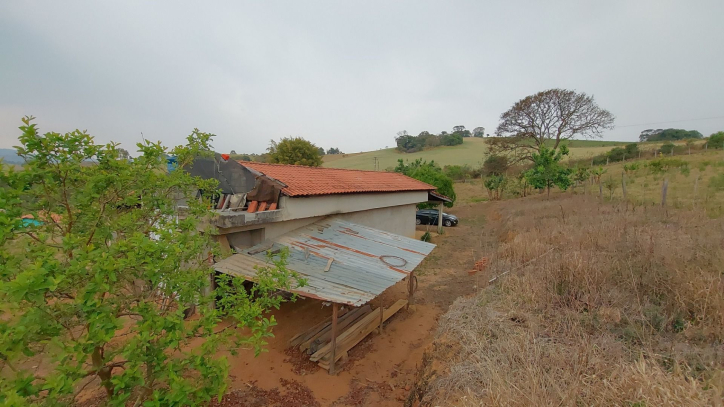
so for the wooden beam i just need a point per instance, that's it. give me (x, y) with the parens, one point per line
(439, 219)
(348, 319)
(302, 337)
(410, 288)
(335, 306)
(382, 316)
(355, 334)
(224, 244)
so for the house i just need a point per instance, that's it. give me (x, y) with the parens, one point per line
(348, 234)
(288, 197)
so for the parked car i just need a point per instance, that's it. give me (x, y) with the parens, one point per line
(429, 217)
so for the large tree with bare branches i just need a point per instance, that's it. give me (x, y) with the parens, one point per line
(546, 119)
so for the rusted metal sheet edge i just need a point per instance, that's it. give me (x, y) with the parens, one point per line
(315, 288)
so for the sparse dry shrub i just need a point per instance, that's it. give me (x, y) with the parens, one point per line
(600, 306)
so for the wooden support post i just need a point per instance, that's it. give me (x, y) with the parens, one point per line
(623, 184)
(335, 309)
(410, 289)
(439, 219)
(224, 244)
(382, 317)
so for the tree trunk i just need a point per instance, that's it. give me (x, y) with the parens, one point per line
(103, 372)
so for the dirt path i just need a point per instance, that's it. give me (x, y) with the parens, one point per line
(382, 368)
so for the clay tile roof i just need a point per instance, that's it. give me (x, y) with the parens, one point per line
(304, 181)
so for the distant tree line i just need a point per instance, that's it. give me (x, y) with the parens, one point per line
(330, 151)
(669, 134)
(408, 143)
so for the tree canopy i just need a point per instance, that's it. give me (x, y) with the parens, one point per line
(296, 151)
(669, 135)
(545, 120)
(430, 173)
(716, 140)
(409, 144)
(98, 287)
(547, 170)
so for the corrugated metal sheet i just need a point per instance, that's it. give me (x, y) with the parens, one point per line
(367, 261)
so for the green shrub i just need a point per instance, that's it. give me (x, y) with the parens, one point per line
(716, 140)
(667, 148)
(661, 165)
(716, 182)
(495, 184)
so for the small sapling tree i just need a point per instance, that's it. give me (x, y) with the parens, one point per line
(495, 184)
(548, 171)
(580, 176)
(96, 288)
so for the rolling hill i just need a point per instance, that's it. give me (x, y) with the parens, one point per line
(471, 152)
(10, 156)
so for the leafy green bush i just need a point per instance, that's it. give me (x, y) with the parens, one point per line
(548, 171)
(667, 148)
(458, 172)
(664, 164)
(431, 173)
(716, 140)
(632, 150)
(495, 184)
(716, 182)
(632, 167)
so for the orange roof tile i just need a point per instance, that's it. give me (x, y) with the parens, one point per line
(304, 181)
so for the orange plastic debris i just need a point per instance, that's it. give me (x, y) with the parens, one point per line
(252, 206)
(273, 206)
(225, 157)
(262, 207)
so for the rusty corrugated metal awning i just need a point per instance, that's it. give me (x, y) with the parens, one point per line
(367, 261)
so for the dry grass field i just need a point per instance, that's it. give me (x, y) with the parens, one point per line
(588, 300)
(589, 303)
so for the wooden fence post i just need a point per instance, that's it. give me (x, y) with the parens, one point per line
(696, 187)
(664, 188)
(623, 184)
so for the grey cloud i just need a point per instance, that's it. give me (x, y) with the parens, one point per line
(348, 74)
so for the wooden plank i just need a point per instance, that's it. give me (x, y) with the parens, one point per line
(323, 339)
(334, 336)
(261, 249)
(303, 336)
(329, 263)
(308, 342)
(366, 324)
(358, 335)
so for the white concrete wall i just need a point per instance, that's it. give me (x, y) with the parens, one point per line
(326, 205)
(396, 219)
(394, 213)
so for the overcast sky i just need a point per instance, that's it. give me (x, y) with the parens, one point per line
(349, 74)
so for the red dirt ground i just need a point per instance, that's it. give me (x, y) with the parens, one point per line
(381, 369)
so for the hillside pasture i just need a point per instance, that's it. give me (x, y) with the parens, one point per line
(472, 152)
